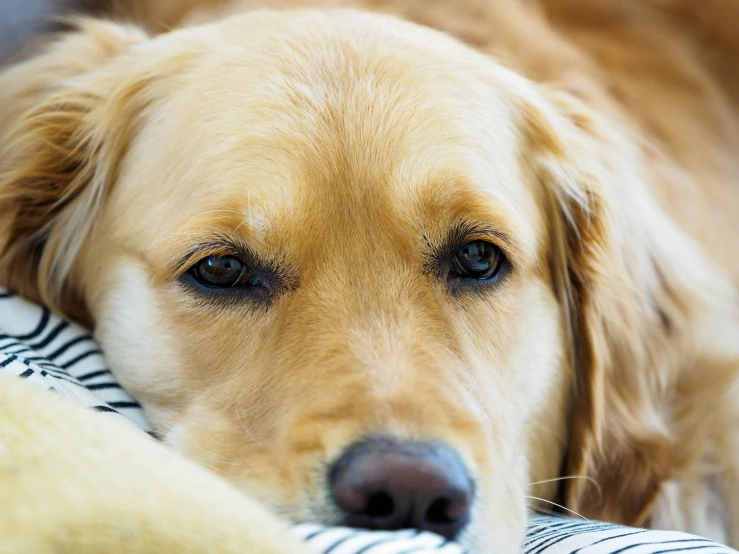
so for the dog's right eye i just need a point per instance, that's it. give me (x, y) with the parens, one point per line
(219, 271)
(231, 276)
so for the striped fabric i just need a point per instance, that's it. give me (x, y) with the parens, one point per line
(546, 535)
(64, 358)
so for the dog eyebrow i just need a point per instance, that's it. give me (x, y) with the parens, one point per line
(464, 207)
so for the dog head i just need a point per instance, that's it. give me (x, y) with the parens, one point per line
(366, 273)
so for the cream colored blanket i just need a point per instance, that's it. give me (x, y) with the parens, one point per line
(73, 482)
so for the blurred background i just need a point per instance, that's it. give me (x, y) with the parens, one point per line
(19, 19)
(22, 19)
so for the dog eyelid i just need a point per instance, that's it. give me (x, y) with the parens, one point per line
(203, 251)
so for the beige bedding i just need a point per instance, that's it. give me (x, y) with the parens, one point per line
(72, 482)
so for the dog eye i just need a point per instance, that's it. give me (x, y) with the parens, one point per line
(219, 271)
(477, 259)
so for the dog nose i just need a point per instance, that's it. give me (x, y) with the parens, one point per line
(384, 484)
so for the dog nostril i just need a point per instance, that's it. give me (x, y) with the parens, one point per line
(380, 505)
(439, 512)
(381, 484)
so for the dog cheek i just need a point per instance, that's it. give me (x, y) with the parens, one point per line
(133, 332)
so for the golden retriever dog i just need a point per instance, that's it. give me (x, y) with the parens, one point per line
(403, 263)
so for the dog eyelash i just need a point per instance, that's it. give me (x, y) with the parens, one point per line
(223, 248)
(204, 250)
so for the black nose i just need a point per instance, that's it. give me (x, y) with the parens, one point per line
(384, 484)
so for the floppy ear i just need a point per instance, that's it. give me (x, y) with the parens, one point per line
(61, 136)
(632, 287)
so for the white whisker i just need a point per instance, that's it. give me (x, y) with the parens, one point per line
(211, 467)
(567, 477)
(558, 506)
(545, 511)
(242, 421)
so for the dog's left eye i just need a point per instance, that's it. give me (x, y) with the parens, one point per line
(219, 271)
(477, 259)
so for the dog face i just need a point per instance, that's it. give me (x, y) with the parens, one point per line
(346, 191)
(301, 234)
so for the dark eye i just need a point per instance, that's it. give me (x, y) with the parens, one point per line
(219, 271)
(477, 259)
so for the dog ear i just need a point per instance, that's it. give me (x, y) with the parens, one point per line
(60, 138)
(630, 284)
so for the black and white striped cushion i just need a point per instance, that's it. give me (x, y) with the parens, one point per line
(545, 535)
(64, 358)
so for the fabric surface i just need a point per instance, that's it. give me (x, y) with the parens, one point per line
(60, 356)
(76, 481)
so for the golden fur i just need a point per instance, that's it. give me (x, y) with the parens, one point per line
(597, 139)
